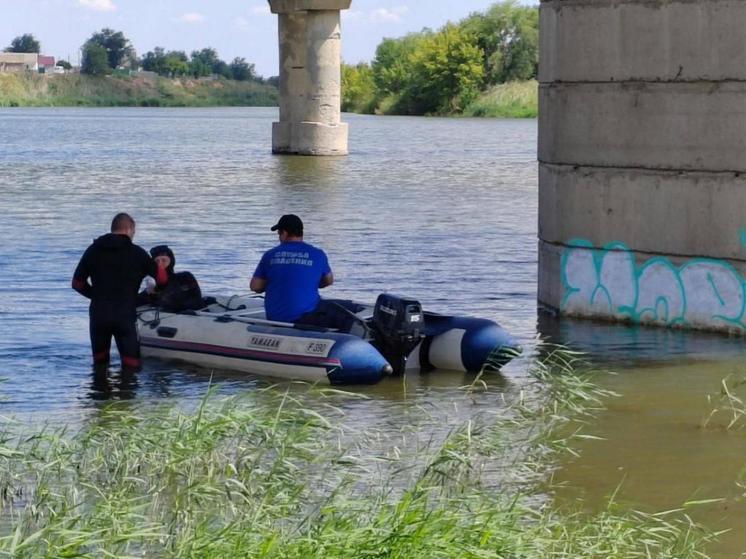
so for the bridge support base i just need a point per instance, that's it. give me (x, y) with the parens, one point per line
(310, 78)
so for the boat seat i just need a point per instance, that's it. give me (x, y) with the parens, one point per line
(336, 315)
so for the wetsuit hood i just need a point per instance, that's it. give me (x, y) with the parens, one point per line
(112, 241)
(161, 250)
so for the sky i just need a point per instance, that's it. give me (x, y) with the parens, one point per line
(234, 28)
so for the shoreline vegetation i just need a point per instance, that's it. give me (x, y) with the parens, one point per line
(280, 472)
(509, 100)
(482, 66)
(78, 90)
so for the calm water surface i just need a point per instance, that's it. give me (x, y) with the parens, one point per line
(443, 210)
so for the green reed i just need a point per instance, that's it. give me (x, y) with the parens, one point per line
(279, 473)
(507, 100)
(726, 403)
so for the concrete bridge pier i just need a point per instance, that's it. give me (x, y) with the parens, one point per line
(642, 161)
(310, 78)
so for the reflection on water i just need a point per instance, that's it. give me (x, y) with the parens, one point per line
(656, 452)
(113, 385)
(665, 440)
(296, 171)
(625, 345)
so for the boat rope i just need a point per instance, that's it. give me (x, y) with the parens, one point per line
(227, 304)
(154, 321)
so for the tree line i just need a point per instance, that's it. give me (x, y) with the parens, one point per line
(443, 71)
(108, 50)
(429, 72)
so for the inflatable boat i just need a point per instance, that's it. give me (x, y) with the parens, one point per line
(355, 344)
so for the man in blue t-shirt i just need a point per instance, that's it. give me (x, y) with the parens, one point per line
(291, 274)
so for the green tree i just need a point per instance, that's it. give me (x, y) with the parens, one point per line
(64, 64)
(447, 72)
(172, 63)
(508, 33)
(24, 43)
(223, 70)
(95, 60)
(392, 67)
(358, 89)
(198, 68)
(154, 61)
(205, 62)
(118, 48)
(175, 63)
(241, 70)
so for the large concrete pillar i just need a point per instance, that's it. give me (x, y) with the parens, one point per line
(310, 78)
(642, 153)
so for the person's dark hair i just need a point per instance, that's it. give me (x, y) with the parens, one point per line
(160, 250)
(122, 221)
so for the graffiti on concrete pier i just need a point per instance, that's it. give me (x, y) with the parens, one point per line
(609, 282)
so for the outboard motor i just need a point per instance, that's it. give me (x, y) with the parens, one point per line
(398, 324)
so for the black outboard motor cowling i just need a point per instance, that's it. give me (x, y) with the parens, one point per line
(398, 324)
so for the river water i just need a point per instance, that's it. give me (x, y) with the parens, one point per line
(443, 210)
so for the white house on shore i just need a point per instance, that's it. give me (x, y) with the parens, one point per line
(19, 62)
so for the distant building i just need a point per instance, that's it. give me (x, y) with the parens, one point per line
(45, 64)
(18, 62)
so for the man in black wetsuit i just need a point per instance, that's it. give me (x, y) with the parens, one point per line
(116, 267)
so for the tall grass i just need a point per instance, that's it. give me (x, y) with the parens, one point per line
(726, 404)
(34, 90)
(508, 100)
(279, 473)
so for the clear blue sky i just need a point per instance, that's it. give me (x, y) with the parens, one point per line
(233, 27)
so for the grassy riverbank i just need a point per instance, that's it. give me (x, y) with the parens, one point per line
(518, 99)
(280, 473)
(75, 90)
(508, 100)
